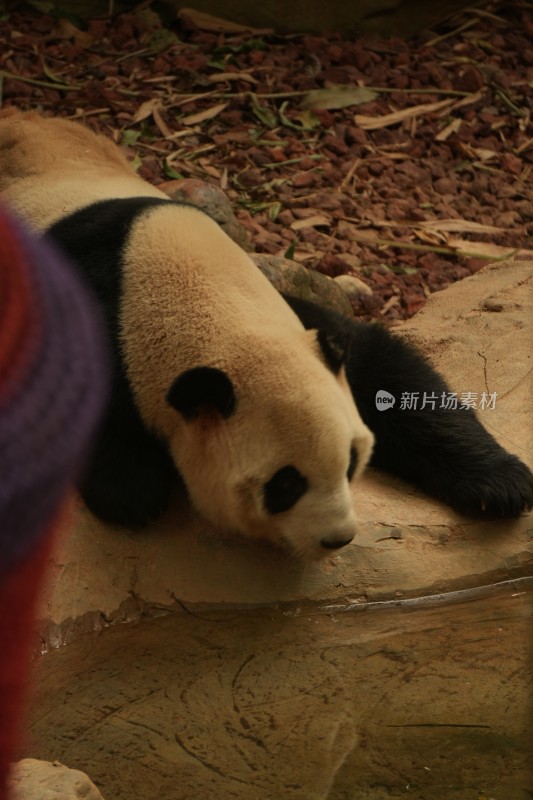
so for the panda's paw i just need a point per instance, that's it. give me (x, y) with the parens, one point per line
(504, 490)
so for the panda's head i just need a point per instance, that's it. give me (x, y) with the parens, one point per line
(269, 444)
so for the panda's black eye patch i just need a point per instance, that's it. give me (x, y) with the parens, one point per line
(284, 489)
(353, 463)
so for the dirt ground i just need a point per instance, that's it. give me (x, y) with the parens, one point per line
(299, 704)
(407, 164)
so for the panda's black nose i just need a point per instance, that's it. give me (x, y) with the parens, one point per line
(335, 544)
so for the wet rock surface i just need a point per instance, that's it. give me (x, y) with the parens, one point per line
(298, 703)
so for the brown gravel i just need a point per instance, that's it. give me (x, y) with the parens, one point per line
(330, 187)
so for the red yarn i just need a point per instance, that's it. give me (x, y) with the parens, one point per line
(19, 312)
(18, 599)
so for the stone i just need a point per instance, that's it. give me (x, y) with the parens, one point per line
(292, 278)
(31, 779)
(401, 19)
(352, 286)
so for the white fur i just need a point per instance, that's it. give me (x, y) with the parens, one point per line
(202, 302)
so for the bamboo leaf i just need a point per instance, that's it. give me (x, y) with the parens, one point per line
(337, 97)
(202, 116)
(373, 123)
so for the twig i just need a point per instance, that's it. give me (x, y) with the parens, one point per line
(508, 102)
(64, 87)
(469, 24)
(446, 251)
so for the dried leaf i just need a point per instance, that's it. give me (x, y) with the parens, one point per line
(198, 20)
(434, 238)
(210, 169)
(310, 222)
(484, 154)
(466, 101)
(337, 97)
(446, 132)
(392, 301)
(162, 126)
(146, 109)
(373, 123)
(202, 116)
(457, 226)
(66, 30)
(486, 249)
(219, 77)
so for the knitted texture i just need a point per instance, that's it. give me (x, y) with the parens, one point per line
(52, 380)
(52, 387)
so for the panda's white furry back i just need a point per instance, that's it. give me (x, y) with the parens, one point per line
(51, 167)
(254, 410)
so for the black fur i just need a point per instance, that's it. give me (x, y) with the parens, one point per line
(332, 350)
(202, 389)
(447, 453)
(131, 474)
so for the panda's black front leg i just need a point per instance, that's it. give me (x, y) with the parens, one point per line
(130, 477)
(447, 453)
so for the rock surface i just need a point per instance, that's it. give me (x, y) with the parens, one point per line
(294, 279)
(298, 704)
(407, 545)
(50, 780)
(343, 16)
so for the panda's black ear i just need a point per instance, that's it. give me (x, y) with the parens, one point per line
(333, 350)
(202, 390)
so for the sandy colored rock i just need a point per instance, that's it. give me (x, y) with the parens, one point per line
(50, 780)
(352, 286)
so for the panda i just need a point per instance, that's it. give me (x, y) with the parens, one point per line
(263, 406)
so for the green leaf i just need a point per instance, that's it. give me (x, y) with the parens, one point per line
(170, 172)
(399, 269)
(129, 137)
(263, 113)
(289, 252)
(273, 211)
(308, 120)
(337, 97)
(42, 5)
(52, 76)
(137, 162)
(161, 39)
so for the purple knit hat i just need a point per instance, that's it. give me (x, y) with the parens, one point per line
(53, 376)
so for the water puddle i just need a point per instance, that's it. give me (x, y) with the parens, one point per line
(427, 701)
